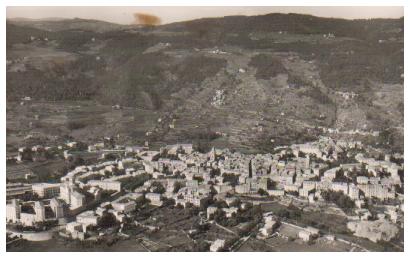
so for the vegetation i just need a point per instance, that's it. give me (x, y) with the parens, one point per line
(135, 182)
(340, 199)
(157, 187)
(267, 66)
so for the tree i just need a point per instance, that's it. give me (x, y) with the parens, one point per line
(177, 186)
(201, 246)
(107, 220)
(218, 215)
(157, 187)
(262, 192)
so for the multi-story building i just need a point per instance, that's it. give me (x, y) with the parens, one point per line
(46, 190)
(13, 211)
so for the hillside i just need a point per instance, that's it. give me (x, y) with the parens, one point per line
(254, 80)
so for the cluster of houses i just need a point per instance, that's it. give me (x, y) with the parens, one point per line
(189, 177)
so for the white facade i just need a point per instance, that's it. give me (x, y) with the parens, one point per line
(13, 211)
(77, 200)
(45, 190)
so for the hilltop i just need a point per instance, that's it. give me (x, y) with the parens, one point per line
(243, 81)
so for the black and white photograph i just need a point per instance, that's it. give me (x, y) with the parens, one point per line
(203, 128)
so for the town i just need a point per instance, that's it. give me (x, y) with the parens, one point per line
(327, 192)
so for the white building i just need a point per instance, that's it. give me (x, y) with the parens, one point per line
(106, 185)
(217, 245)
(87, 218)
(210, 210)
(124, 205)
(77, 200)
(57, 208)
(46, 190)
(155, 198)
(277, 192)
(65, 192)
(13, 211)
(40, 211)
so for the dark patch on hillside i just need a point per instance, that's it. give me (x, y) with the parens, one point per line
(267, 66)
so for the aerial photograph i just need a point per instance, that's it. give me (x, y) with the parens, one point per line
(204, 129)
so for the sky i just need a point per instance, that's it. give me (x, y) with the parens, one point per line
(125, 15)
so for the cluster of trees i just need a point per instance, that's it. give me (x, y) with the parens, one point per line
(359, 172)
(107, 220)
(340, 177)
(339, 198)
(136, 182)
(267, 66)
(157, 187)
(262, 192)
(177, 186)
(290, 212)
(251, 215)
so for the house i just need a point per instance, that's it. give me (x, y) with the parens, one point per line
(217, 245)
(210, 210)
(305, 235)
(269, 226)
(87, 218)
(155, 198)
(230, 211)
(124, 204)
(38, 214)
(76, 230)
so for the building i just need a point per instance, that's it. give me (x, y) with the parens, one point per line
(303, 192)
(340, 186)
(124, 204)
(87, 218)
(377, 191)
(65, 192)
(217, 245)
(76, 230)
(210, 210)
(46, 190)
(40, 211)
(77, 200)
(106, 185)
(362, 180)
(57, 207)
(28, 219)
(305, 235)
(269, 226)
(276, 192)
(13, 211)
(15, 190)
(155, 198)
(354, 192)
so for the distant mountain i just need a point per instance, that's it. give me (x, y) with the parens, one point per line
(278, 73)
(61, 24)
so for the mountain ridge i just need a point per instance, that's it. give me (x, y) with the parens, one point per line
(269, 70)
